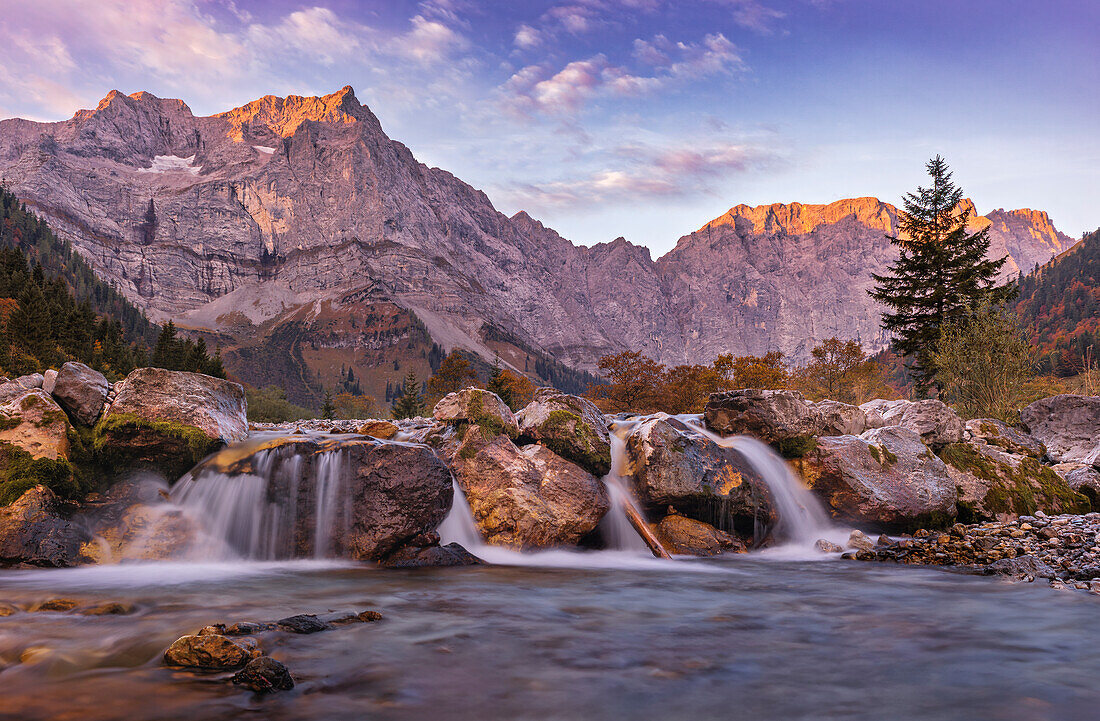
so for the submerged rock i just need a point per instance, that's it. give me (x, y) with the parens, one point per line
(81, 391)
(571, 426)
(169, 420)
(209, 652)
(302, 623)
(264, 674)
(885, 477)
(55, 605)
(1068, 425)
(451, 554)
(33, 532)
(526, 498)
(675, 466)
(686, 536)
(770, 415)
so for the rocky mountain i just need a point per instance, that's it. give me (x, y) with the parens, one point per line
(302, 239)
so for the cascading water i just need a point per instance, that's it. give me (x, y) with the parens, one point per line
(287, 504)
(617, 531)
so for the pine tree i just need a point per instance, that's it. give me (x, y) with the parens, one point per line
(940, 273)
(410, 403)
(328, 410)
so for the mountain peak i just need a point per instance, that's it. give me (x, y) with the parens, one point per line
(284, 115)
(799, 218)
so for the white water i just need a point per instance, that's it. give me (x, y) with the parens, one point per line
(618, 534)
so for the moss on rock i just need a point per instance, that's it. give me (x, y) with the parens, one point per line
(20, 472)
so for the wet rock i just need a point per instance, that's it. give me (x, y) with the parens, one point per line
(932, 420)
(110, 608)
(998, 433)
(264, 674)
(477, 407)
(526, 498)
(571, 426)
(56, 605)
(993, 483)
(169, 420)
(686, 536)
(674, 466)
(7, 609)
(81, 391)
(383, 430)
(828, 546)
(33, 532)
(770, 415)
(209, 652)
(1068, 425)
(1021, 567)
(31, 421)
(885, 477)
(451, 554)
(347, 618)
(843, 419)
(859, 541)
(302, 623)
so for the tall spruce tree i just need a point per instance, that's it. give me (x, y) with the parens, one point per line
(410, 403)
(940, 273)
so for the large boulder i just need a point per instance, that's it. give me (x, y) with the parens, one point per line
(675, 466)
(932, 420)
(526, 497)
(843, 419)
(1083, 479)
(1068, 425)
(32, 421)
(358, 498)
(572, 427)
(474, 406)
(81, 391)
(885, 477)
(685, 536)
(770, 415)
(998, 433)
(993, 484)
(33, 532)
(169, 420)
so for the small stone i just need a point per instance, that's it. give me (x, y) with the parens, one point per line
(302, 623)
(858, 540)
(884, 540)
(111, 608)
(264, 674)
(58, 605)
(210, 651)
(828, 546)
(6, 609)
(958, 530)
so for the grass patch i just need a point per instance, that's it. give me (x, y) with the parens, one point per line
(797, 447)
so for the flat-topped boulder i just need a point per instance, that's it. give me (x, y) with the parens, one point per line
(932, 420)
(685, 536)
(571, 426)
(770, 415)
(81, 391)
(1068, 425)
(169, 420)
(478, 407)
(885, 477)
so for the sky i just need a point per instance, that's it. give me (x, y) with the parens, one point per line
(635, 118)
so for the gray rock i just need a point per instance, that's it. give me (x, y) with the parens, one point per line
(48, 380)
(1021, 567)
(477, 406)
(571, 426)
(34, 380)
(932, 420)
(1068, 425)
(1000, 434)
(264, 674)
(843, 419)
(81, 391)
(302, 623)
(770, 415)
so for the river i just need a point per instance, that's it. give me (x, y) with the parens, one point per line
(581, 636)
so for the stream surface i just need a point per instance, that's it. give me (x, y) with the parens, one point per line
(581, 636)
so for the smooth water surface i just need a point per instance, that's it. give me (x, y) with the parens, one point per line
(752, 638)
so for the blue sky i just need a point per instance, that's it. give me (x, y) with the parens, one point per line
(641, 118)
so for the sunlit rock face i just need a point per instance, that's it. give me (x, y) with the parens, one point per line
(262, 212)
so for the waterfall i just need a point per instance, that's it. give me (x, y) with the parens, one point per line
(288, 505)
(459, 527)
(802, 518)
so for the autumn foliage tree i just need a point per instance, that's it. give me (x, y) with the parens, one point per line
(634, 383)
(841, 371)
(454, 374)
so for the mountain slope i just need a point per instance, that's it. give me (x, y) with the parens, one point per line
(1060, 305)
(298, 219)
